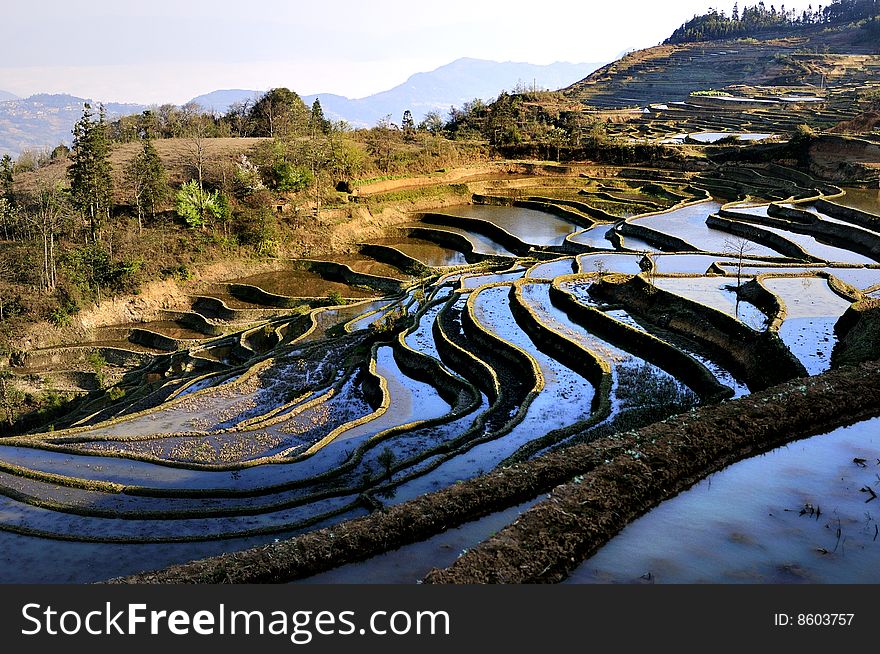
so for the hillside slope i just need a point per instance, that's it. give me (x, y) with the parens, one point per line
(669, 73)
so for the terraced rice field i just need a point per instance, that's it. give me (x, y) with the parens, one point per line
(772, 519)
(279, 411)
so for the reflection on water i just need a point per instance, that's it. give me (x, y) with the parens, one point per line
(812, 309)
(866, 199)
(430, 254)
(300, 283)
(718, 293)
(689, 224)
(769, 519)
(535, 227)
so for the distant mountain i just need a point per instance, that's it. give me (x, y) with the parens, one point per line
(43, 121)
(6, 95)
(452, 84)
(220, 101)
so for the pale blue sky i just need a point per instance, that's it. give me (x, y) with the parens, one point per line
(170, 51)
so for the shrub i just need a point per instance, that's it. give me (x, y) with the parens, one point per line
(335, 298)
(115, 393)
(200, 207)
(284, 176)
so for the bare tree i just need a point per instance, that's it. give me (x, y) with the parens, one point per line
(197, 134)
(739, 247)
(238, 115)
(47, 213)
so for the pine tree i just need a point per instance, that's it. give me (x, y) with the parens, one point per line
(6, 176)
(91, 183)
(147, 181)
(317, 121)
(408, 126)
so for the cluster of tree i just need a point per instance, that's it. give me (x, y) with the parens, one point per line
(58, 248)
(758, 20)
(526, 125)
(279, 112)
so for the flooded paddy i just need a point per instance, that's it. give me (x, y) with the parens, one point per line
(409, 564)
(531, 226)
(594, 237)
(866, 199)
(301, 283)
(289, 430)
(566, 397)
(812, 309)
(171, 329)
(427, 252)
(818, 249)
(718, 293)
(627, 264)
(793, 515)
(551, 269)
(482, 244)
(475, 281)
(714, 137)
(368, 266)
(688, 223)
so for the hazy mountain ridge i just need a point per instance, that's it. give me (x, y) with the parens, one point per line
(451, 85)
(437, 90)
(220, 100)
(44, 120)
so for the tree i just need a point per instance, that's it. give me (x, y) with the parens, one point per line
(47, 212)
(11, 398)
(237, 116)
(347, 158)
(557, 137)
(740, 248)
(147, 181)
(196, 130)
(408, 126)
(7, 198)
(317, 150)
(380, 141)
(279, 112)
(199, 207)
(7, 176)
(317, 121)
(91, 184)
(432, 123)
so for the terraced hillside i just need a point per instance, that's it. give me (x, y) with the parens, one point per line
(670, 73)
(550, 311)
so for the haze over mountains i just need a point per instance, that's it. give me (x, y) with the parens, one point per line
(450, 85)
(44, 120)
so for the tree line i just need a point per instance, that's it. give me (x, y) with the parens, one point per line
(760, 19)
